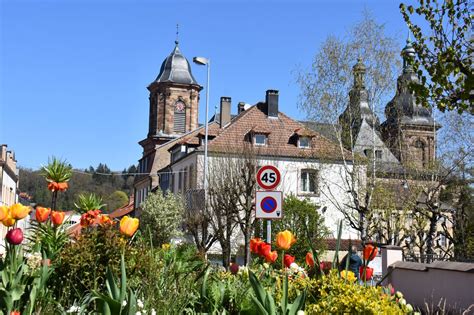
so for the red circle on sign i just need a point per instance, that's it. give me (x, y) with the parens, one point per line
(268, 204)
(276, 180)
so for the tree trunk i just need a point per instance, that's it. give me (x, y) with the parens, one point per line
(430, 238)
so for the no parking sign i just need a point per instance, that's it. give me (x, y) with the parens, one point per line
(268, 205)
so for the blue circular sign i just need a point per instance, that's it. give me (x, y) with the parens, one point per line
(268, 204)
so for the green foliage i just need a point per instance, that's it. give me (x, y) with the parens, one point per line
(162, 216)
(167, 278)
(302, 218)
(443, 53)
(118, 300)
(82, 264)
(57, 170)
(86, 202)
(266, 304)
(115, 200)
(21, 282)
(48, 239)
(33, 183)
(334, 295)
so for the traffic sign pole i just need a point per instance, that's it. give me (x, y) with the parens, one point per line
(269, 231)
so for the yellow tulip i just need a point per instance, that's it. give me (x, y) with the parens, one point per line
(9, 220)
(348, 275)
(19, 211)
(285, 239)
(3, 212)
(128, 226)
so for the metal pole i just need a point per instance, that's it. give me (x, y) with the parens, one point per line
(269, 231)
(206, 134)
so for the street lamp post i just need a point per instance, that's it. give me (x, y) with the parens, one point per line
(205, 62)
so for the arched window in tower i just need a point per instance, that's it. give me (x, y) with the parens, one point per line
(179, 117)
(419, 153)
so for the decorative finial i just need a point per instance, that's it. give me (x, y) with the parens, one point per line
(409, 37)
(177, 35)
(359, 72)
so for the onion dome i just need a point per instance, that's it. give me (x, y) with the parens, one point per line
(176, 69)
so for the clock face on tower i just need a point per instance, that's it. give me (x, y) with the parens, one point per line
(179, 106)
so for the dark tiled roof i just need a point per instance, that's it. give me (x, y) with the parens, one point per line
(176, 69)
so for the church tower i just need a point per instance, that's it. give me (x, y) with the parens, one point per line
(173, 111)
(174, 99)
(410, 129)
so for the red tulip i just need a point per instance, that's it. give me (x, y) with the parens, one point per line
(254, 243)
(370, 251)
(369, 272)
(15, 313)
(234, 268)
(288, 260)
(271, 257)
(310, 259)
(42, 214)
(14, 236)
(264, 249)
(57, 217)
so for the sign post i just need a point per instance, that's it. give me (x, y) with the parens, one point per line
(268, 204)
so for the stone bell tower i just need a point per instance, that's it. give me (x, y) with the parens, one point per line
(410, 129)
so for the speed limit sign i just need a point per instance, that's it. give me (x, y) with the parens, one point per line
(268, 177)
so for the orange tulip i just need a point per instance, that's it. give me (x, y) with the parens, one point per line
(3, 212)
(128, 226)
(370, 251)
(310, 259)
(285, 239)
(42, 214)
(19, 211)
(271, 257)
(53, 186)
(254, 243)
(63, 186)
(57, 217)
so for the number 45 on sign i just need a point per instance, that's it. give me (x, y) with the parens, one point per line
(268, 177)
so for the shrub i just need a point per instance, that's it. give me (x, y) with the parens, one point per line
(338, 296)
(161, 217)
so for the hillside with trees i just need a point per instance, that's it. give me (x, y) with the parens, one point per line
(114, 188)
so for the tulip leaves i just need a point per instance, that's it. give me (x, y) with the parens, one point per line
(266, 304)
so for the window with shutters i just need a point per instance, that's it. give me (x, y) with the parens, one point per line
(179, 117)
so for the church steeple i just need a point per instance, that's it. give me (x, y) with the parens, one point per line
(174, 98)
(410, 128)
(358, 109)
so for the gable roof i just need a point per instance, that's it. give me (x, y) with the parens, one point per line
(280, 130)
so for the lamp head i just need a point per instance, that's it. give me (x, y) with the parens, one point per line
(201, 61)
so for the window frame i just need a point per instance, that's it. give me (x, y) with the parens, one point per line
(306, 138)
(265, 138)
(301, 183)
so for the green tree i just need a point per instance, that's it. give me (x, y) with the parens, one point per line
(443, 53)
(162, 216)
(115, 200)
(301, 217)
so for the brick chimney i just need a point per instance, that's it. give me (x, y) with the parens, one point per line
(224, 117)
(272, 103)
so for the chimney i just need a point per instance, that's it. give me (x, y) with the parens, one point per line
(272, 103)
(224, 117)
(240, 107)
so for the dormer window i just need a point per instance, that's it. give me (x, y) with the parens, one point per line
(304, 142)
(260, 139)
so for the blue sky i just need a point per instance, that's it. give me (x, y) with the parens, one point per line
(74, 73)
